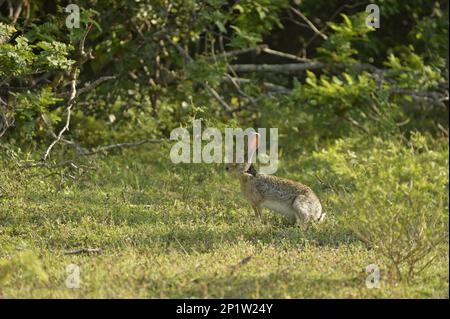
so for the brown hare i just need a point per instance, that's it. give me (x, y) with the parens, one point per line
(295, 201)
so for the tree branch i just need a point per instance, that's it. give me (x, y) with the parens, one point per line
(267, 85)
(280, 68)
(285, 55)
(73, 90)
(85, 152)
(106, 148)
(311, 25)
(70, 102)
(88, 86)
(256, 49)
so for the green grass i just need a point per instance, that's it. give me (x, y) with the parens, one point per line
(169, 231)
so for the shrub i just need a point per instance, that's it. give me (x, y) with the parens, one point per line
(393, 195)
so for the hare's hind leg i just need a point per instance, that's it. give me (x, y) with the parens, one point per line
(258, 212)
(291, 220)
(301, 207)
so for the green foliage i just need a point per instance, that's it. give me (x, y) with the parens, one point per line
(259, 16)
(339, 46)
(392, 195)
(409, 71)
(21, 59)
(153, 76)
(338, 103)
(53, 56)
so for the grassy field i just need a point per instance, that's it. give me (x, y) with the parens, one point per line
(169, 231)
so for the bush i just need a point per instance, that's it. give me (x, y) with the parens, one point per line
(393, 195)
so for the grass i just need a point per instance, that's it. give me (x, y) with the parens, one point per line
(169, 231)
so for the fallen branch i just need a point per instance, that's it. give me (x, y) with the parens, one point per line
(218, 97)
(85, 152)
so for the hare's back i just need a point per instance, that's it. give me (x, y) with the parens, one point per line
(280, 189)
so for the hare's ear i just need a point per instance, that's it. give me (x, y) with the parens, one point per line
(253, 144)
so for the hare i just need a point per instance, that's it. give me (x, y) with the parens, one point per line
(295, 201)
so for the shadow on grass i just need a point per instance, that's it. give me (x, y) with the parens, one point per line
(200, 240)
(274, 285)
(193, 225)
(188, 229)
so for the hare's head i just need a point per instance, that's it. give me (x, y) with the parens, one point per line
(243, 164)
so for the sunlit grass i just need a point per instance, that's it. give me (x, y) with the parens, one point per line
(181, 231)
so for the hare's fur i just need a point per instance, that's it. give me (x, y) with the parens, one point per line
(293, 200)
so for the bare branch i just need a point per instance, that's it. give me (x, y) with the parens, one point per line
(339, 10)
(238, 88)
(285, 55)
(218, 97)
(357, 124)
(296, 67)
(5, 123)
(236, 85)
(256, 49)
(79, 148)
(311, 25)
(94, 84)
(70, 102)
(179, 49)
(83, 55)
(89, 86)
(267, 85)
(106, 148)
(281, 68)
(437, 96)
(73, 90)
(17, 12)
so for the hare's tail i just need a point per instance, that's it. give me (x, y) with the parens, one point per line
(322, 217)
